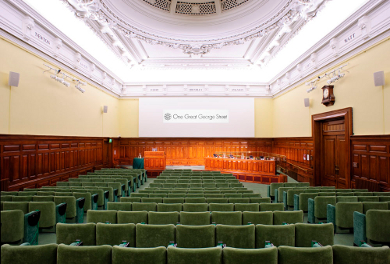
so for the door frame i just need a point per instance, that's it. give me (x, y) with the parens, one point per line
(317, 121)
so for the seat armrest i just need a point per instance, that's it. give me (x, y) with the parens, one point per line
(296, 202)
(61, 213)
(310, 212)
(331, 215)
(359, 228)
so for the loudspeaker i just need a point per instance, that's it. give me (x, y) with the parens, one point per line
(13, 79)
(307, 102)
(105, 109)
(379, 78)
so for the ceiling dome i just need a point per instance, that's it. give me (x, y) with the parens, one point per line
(196, 7)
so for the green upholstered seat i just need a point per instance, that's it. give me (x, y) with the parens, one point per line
(256, 218)
(378, 225)
(163, 218)
(144, 207)
(320, 205)
(152, 200)
(346, 199)
(276, 234)
(12, 226)
(363, 194)
(70, 201)
(260, 200)
(154, 235)
(246, 207)
(288, 217)
(242, 236)
(102, 216)
(69, 233)
(135, 217)
(29, 254)
(195, 200)
(48, 213)
(88, 199)
(131, 255)
(22, 198)
(368, 198)
(250, 256)
(115, 234)
(194, 255)
(195, 207)
(306, 233)
(226, 218)
(374, 206)
(344, 213)
(360, 255)
(189, 236)
(166, 207)
(84, 254)
(195, 218)
(122, 206)
(23, 206)
(221, 207)
(297, 255)
(239, 200)
(271, 207)
(130, 199)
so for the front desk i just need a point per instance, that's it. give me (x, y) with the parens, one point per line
(259, 171)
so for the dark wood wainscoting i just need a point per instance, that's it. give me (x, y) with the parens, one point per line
(300, 153)
(371, 160)
(34, 161)
(185, 151)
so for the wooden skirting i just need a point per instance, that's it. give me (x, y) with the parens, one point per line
(35, 161)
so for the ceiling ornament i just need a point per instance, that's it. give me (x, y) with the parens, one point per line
(98, 10)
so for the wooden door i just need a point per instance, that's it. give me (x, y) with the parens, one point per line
(334, 153)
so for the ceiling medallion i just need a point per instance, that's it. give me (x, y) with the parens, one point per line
(97, 10)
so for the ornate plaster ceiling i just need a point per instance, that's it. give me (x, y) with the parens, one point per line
(156, 33)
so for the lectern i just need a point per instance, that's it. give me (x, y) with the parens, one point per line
(155, 162)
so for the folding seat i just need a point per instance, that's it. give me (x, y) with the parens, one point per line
(135, 217)
(276, 234)
(27, 193)
(163, 218)
(253, 195)
(70, 201)
(384, 199)
(157, 255)
(317, 208)
(239, 200)
(169, 185)
(158, 185)
(186, 181)
(195, 218)
(130, 200)
(346, 199)
(226, 218)
(368, 198)
(12, 227)
(344, 194)
(195, 181)
(144, 207)
(195, 185)
(69, 233)
(146, 191)
(62, 183)
(272, 187)
(217, 200)
(341, 215)
(22, 198)
(256, 218)
(194, 255)
(139, 195)
(221, 207)
(378, 226)
(280, 192)
(157, 195)
(245, 191)
(301, 200)
(260, 200)
(165, 207)
(192, 236)
(250, 256)
(233, 195)
(115, 234)
(235, 184)
(254, 207)
(195, 207)
(101, 216)
(288, 198)
(288, 217)
(374, 206)
(173, 200)
(296, 255)
(23, 206)
(236, 236)
(49, 213)
(194, 195)
(96, 254)
(154, 235)
(176, 195)
(306, 233)
(122, 206)
(363, 194)
(29, 254)
(212, 195)
(381, 193)
(360, 255)
(212, 191)
(88, 199)
(271, 207)
(222, 185)
(151, 200)
(195, 200)
(43, 199)
(327, 194)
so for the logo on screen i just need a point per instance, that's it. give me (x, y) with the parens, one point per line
(167, 116)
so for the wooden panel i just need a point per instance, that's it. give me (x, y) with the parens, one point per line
(31, 161)
(371, 159)
(263, 167)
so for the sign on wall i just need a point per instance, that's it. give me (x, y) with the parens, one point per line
(195, 116)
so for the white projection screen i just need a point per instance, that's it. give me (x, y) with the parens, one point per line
(196, 117)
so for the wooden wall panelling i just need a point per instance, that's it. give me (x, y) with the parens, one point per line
(371, 160)
(34, 161)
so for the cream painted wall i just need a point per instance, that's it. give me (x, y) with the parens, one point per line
(371, 105)
(41, 106)
(264, 113)
(129, 117)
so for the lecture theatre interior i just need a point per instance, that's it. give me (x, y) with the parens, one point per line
(195, 131)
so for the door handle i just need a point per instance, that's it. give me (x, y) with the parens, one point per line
(336, 170)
